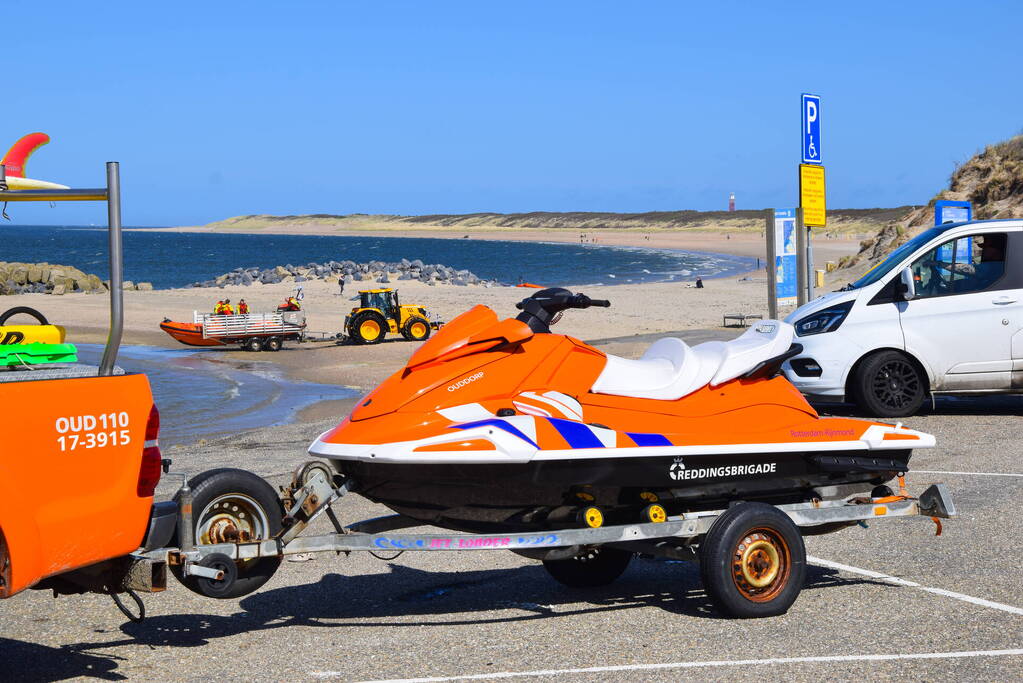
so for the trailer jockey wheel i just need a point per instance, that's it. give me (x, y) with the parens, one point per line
(217, 588)
(753, 561)
(593, 566)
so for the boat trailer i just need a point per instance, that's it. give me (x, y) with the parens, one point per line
(215, 567)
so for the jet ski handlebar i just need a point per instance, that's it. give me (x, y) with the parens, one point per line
(541, 310)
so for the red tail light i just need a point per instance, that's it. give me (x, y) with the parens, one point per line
(149, 472)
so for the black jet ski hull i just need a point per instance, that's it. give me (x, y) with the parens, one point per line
(544, 493)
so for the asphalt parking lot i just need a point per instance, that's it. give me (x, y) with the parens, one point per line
(889, 601)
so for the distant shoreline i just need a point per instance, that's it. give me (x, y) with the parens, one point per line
(741, 242)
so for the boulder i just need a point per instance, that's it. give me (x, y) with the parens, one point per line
(145, 286)
(127, 284)
(58, 289)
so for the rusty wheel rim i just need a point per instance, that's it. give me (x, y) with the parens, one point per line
(761, 564)
(231, 518)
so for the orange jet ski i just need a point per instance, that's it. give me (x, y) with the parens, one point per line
(503, 426)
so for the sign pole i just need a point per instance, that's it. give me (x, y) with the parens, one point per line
(809, 264)
(801, 271)
(772, 273)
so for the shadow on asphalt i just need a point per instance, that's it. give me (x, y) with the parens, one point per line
(375, 601)
(1001, 404)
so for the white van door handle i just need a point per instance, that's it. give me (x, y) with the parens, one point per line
(1003, 300)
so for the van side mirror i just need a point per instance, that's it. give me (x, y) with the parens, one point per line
(907, 285)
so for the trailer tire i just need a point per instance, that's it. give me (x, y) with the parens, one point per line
(231, 504)
(17, 310)
(753, 561)
(273, 344)
(593, 566)
(252, 344)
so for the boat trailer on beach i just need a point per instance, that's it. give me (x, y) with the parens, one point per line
(231, 560)
(253, 331)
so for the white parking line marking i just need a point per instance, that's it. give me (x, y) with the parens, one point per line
(692, 665)
(979, 474)
(912, 584)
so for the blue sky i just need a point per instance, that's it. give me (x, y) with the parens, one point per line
(216, 109)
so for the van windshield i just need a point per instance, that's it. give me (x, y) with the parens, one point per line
(899, 255)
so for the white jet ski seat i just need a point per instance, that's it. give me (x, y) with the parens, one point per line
(670, 369)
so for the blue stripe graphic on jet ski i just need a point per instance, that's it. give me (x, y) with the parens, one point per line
(500, 424)
(649, 439)
(577, 435)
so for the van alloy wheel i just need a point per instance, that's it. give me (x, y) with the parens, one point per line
(889, 384)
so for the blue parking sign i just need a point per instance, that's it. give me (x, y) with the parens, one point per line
(811, 129)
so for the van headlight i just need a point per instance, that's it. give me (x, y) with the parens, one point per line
(827, 320)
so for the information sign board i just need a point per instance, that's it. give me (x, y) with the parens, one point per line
(785, 256)
(812, 195)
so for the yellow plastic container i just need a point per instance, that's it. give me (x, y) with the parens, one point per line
(32, 334)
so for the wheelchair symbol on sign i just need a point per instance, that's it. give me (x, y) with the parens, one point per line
(812, 149)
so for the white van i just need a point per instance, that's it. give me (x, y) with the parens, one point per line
(943, 314)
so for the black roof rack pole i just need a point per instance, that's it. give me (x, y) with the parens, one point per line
(106, 366)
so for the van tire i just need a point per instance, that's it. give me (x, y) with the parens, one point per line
(889, 384)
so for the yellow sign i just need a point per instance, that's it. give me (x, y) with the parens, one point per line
(811, 195)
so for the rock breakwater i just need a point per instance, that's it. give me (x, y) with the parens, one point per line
(381, 272)
(46, 278)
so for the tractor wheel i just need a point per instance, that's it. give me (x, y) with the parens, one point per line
(368, 327)
(416, 329)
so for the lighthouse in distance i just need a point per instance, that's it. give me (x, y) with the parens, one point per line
(731, 201)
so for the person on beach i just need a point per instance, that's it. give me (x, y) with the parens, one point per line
(218, 308)
(226, 308)
(341, 286)
(699, 282)
(243, 308)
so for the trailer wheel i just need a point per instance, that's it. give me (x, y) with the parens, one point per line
(593, 566)
(233, 505)
(252, 344)
(753, 561)
(273, 344)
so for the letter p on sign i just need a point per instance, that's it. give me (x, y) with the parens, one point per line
(811, 129)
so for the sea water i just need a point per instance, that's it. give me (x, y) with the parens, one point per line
(174, 259)
(202, 394)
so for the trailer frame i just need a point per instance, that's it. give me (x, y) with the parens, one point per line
(674, 538)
